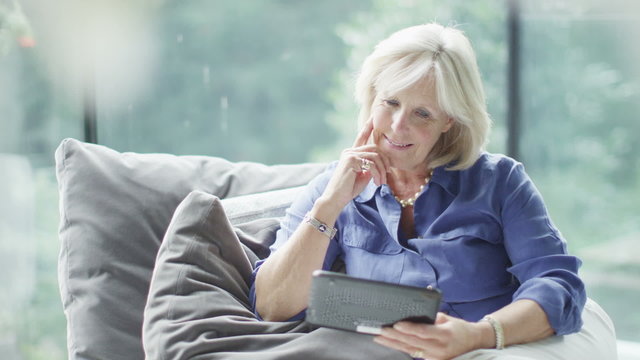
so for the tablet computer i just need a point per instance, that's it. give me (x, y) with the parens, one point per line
(343, 302)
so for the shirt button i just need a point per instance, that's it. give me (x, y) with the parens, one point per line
(429, 287)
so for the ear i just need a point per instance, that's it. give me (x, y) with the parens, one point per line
(448, 125)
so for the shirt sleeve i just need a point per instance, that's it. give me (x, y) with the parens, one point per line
(292, 219)
(547, 274)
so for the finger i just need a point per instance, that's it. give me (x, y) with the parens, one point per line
(400, 345)
(364, 134)
(378, 177)
(372, 170)
(378, 167)
(385, 161)
(422, 339)
(356, 165)
(441, 318)
(414, 329)
(373, 148)
(439, 331)
(394, 344)
(382, 162)
(392, 333)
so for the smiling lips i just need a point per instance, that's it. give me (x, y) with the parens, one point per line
(395, 144)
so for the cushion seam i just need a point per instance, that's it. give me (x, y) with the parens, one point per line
(65, 248)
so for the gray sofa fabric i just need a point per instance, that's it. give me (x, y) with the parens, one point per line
(114, 211)
(198, 306)
(252, 217)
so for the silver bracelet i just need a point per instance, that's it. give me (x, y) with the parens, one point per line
(330, 232)
(497, 329)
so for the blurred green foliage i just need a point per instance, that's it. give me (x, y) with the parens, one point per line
(237, 79)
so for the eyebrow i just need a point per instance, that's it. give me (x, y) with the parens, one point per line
(386, 96)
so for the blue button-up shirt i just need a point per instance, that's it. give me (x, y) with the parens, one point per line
(484, 238)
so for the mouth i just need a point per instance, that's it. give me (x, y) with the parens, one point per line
(395, 144)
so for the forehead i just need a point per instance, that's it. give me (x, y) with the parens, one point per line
(420, 93)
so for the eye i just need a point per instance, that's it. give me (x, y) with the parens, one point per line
(423, 113)
(391, 102)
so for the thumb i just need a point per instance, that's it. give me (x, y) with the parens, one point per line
(441, 318)
(364, 135)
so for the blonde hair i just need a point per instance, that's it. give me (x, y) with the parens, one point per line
(444, 54)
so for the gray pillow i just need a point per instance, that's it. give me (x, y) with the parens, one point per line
(198, 306)
(114, 210)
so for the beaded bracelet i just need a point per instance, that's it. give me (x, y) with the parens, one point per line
(497, 329)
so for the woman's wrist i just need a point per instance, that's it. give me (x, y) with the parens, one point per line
(486, 337)
(326, 210)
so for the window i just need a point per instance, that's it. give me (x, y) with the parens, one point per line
(36, 113)
(247, 80)
(580, 97)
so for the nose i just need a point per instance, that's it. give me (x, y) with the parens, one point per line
(400, 121)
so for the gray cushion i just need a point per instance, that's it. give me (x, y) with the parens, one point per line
(245, 208)
(114, 209)
(252, 217)
(198, 306)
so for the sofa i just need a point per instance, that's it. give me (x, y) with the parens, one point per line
(156, 255)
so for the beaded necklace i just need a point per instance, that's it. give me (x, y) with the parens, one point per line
(410, 201)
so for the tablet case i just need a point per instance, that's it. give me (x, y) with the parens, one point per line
(343, 302)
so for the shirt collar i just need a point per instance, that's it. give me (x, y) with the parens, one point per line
(369, 192)
(446, 179)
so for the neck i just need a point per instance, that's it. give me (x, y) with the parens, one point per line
(401, 176)
(405, 183)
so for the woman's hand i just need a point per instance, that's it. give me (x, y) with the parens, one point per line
(446, 339)
(349, 178)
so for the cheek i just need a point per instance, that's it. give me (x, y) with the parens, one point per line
(429, 137)
(380, 117)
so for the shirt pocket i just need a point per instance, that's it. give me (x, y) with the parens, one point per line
(371, 253)
(477, 264)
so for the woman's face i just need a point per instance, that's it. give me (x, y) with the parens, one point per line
(407, 125)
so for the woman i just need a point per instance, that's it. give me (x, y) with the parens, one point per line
(417, 201)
